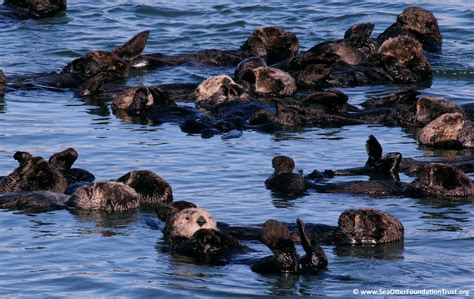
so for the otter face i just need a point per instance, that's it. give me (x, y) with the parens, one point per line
(368, 227)
(451, 130)
(138, 100)
(272, 44)
(218, 90)
(429, 108)
(34, 174)
(105, 196)
(274, 81)
(405, 49)
(188, 221)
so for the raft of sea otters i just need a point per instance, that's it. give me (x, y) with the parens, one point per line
(274, 87)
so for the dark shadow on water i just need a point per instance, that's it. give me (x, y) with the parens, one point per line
(391, 251)
(107, 224)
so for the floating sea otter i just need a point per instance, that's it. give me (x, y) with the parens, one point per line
(356, 227)
(419, 24)
(194, 232)
(448, 181)
(38, 185)
(270, 43)
(35, 9)
(86, 73)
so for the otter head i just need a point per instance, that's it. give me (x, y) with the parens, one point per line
(98, 62)
(272, 44)
(274, 81)
(441, 181)
(429, 108)
(136, 101)
(153, 189)
(188, 221)
(404, 60)
(423, 25)
(104, 196)
(450, 130)
(404, 49)
(368, 227)
(218, 90)
(34, 174)
(283, 164)
(244, 70)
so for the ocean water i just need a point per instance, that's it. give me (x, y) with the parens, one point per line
(61, 254)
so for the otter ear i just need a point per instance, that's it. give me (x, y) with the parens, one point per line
(133, 47)
(374, 151)
(22, 157)
(64, 159)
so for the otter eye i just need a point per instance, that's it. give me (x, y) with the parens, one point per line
(187, 218)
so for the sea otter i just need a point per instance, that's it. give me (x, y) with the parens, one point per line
(283, 179)
(152, 189)
(35, 9)
(104, 196)
(450, 130)
(417, 23)
(270, 43)
(86, 73)
(34, 174)
(399, 60)
(285, 258)
(356, 227)
(193, 232)
(448, 181)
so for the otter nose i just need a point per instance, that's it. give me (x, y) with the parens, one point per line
(201, 221)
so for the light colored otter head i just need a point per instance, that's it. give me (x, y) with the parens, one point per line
(424, 25)
(451, 130)
(403, 48)
(368, 227)
(188, 221)
(274, 81)
(272, 44)
(137, 100)
(218, 90)
(429, 108)
(105, 196)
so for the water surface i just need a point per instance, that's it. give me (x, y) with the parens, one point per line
(82, 255)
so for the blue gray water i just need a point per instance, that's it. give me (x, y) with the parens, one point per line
(61, 254)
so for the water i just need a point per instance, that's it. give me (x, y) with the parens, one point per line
(60, 254)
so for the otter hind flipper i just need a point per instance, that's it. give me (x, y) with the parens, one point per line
(64, 159)
(133, 47)
(315, 257)
(374, 151)
(277, 237)
(389, 165)
(359, 32)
